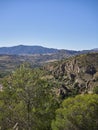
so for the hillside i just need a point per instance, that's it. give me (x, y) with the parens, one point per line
(12, 57)
(22, 49)
(75, 74)
(9, 62)
(78, 74)
(25, 50)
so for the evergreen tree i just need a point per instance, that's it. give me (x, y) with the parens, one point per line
(28, 101)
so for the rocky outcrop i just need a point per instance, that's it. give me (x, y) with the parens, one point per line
(77, 74)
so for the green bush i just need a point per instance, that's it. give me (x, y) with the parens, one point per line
(79, 113)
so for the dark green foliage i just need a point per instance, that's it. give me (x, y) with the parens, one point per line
(27, 100)
(79, 113)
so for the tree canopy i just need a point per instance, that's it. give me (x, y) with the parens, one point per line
(78, 113)
(27, 100)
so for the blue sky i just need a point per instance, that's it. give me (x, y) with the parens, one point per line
(67, 24)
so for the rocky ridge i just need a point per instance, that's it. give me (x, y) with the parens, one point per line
(78, 74)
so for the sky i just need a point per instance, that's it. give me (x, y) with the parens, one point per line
(62, 24)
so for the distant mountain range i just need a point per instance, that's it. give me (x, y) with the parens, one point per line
(25, 50)
(21, 49)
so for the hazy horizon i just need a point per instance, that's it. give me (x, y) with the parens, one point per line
(46, 47)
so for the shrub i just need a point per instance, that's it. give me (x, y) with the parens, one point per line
(79, 113)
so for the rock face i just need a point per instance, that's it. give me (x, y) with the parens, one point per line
(77, 74)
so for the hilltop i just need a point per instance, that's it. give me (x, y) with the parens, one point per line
(22, 49)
